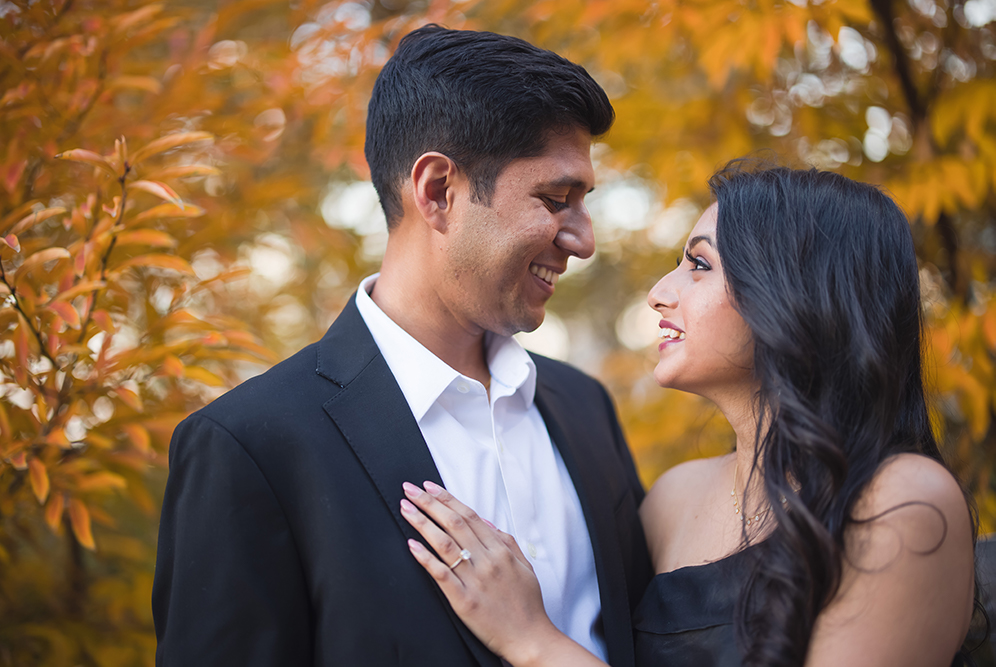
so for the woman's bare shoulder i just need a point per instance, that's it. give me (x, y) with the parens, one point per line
(907, 580)
(683, 486)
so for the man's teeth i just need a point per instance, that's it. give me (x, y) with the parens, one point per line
(544, 274)
(673, 334)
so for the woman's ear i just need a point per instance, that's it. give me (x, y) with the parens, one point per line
(433, 178)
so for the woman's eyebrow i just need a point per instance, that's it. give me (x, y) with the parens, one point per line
(692, 242)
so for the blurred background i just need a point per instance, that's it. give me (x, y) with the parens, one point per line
(184, 202)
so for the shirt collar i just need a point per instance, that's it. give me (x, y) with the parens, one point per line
(423, 376)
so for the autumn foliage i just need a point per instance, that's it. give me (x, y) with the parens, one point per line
(176, 182)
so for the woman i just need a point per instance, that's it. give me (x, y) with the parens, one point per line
(833, 534)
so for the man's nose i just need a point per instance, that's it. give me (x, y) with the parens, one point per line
(577, 237)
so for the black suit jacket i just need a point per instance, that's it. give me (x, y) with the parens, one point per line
(281, 540)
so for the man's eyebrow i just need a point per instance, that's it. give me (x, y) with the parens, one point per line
(566, 182)
(692, 242)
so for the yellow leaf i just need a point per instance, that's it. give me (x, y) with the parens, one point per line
(53, 511)
(129, 398)
(149, 237)
(168, 142)
(39, 479)
(89, 157)
(139, 437)
(66, 311)
(79, 518)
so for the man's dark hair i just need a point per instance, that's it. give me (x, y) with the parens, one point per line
(479, 98)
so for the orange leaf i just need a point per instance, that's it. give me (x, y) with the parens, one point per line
(157, 260)
(89, 157)
(139, 437)
(203, 375)
(66, 311)
(53, 511)
(146, 83)
(185, 171)
(172, 366)
(32, 219)
(19, 461)
(103, 320)
(79, 518)
(40, 257)
(39, 479)
(83, 287)
(57, 437)
(150, 237)
(159, 189)
(170, 211)
(5, 431)
(129, 398)
(100, 481)
(164, 144)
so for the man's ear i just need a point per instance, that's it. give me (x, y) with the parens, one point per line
(433, 178)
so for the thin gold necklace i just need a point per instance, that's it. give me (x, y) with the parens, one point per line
(736, 502)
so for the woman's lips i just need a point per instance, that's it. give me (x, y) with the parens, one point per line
(670, 334)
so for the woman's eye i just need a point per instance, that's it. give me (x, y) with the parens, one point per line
(698, 264)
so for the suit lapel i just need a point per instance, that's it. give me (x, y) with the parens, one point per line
(373, 416)
(582, 459)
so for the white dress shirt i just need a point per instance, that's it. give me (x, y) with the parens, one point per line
(497, 458)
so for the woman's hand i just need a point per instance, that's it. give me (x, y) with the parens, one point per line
(493, 590)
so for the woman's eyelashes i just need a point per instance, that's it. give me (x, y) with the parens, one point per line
(698, 264)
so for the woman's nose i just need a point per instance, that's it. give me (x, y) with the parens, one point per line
(663, 294)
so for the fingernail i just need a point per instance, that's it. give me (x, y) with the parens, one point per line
(412, 490)
(415, 546)
(432, 489)
(489, 523)
(407, 507)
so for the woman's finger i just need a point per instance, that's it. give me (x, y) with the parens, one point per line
(453, 515)
(449, 549)
(458, 520)
(452, 587)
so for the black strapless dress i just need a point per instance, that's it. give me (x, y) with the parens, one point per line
(685, 618)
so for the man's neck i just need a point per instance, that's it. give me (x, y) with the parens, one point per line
(416, 307)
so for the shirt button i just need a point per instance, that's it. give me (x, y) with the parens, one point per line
(462, 388)
(531, 548)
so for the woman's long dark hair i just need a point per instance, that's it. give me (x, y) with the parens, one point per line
(823, 271)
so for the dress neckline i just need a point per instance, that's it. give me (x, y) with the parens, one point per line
(719, 561)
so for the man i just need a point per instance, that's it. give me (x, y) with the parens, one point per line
(281, 541)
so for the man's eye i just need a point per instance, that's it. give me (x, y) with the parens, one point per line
(555, 205)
